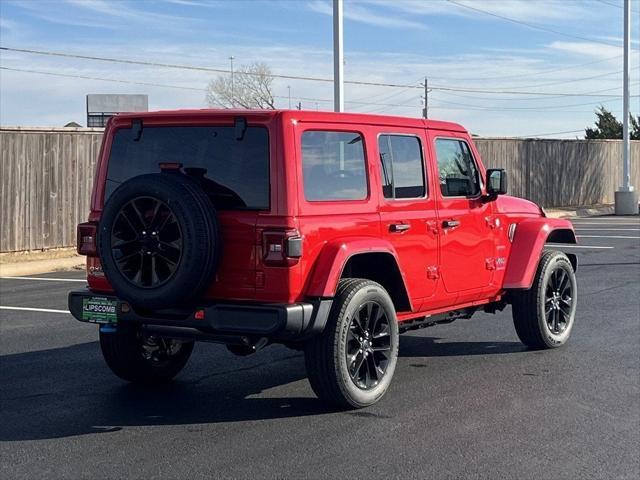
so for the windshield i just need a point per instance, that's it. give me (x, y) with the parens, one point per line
(234, 173)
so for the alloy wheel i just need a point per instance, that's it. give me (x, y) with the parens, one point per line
(558, 302)
(368, 349)
(146, 242)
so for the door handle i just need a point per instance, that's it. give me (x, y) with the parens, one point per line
(399, 227)
(451, 223)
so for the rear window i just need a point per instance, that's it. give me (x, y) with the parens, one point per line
(234, 173)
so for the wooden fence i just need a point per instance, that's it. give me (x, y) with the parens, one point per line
(46, 177)
(558, 173)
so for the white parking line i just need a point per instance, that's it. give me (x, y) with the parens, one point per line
(29, 309)
(46, 279)
(608, 236)
(610, 229)
(603, 224)
(570, 245)
(606, 220)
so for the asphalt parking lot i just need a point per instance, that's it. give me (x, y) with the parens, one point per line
(467, 400)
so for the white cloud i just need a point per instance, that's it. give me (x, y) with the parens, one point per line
(523, 10)
(359, 13)
(105, 14)
(55, 101)
(588, 49)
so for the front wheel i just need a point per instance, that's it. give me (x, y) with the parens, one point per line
(137, 357)
(350, 365)
(544, 314)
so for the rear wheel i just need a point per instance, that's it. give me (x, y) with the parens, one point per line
(138, 357)
(351, 363)
(544, 314)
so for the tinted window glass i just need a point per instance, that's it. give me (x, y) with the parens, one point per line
(333, 166)
(457, 170)
(402, 166)
(234, 173)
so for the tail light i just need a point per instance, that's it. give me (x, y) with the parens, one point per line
(87, 238)
(281, 248)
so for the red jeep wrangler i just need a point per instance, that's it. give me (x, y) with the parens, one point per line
(326, 232)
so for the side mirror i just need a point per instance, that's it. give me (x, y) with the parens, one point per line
(496, 181)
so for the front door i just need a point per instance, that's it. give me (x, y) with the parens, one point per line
(465, 220)
(407, 210)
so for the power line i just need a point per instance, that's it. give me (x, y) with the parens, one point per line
(385, 96)
(609, 3)
(549, 133)
(376, 105)
(195, 68)
(593, 93)
(542, 108)
(148, 84)
(573, 80)
(527, 75)
(318, 79)
(532, 25)
(86, 77)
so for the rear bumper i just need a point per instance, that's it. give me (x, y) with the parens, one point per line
(221, 322)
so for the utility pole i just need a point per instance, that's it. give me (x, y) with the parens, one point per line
(233, 103)
(626, 197)
(299, 105)
(289, 88)
(425, 111)
(338, 58)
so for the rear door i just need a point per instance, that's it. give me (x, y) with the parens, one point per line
(465, 220)
(408, 210)
(233, 172)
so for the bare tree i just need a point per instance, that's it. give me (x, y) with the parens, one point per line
(250, 87)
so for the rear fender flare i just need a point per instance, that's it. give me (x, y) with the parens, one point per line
(528, 243)
(333, 258)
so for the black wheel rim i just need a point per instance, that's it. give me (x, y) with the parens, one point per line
(146, 242)
(558, 302)
(368, 348)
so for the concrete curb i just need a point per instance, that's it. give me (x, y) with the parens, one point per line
(580, 212)
(32, 267)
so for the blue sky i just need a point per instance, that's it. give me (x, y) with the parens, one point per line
(466, 45)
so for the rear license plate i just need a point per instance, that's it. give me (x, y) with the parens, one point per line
(99, 310)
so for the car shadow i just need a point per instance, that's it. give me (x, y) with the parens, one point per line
(69, 391)
(422, 346)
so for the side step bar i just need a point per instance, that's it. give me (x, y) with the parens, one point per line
(438, 319)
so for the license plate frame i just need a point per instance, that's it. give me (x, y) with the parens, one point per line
(103, 310)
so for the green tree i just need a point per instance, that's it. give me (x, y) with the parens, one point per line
(608, 126)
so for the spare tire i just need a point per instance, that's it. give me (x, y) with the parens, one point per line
(158, 241)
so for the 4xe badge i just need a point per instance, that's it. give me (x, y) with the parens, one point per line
(99, 310)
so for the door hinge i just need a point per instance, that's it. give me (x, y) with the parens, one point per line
(433, 272)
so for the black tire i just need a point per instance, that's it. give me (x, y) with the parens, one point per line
(129, 219)
(136, 357)
(544, 315)
(342, 382)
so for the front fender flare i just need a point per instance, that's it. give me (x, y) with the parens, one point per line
(528, 242)
(334, 256)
